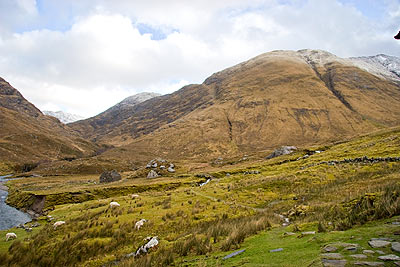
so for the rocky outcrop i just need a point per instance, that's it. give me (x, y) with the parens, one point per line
(284, 150)
(110, 176)
(152, 174)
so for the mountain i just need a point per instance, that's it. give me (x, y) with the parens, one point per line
(26, 135)
(111, 118)
(278, 98)
(64, 117)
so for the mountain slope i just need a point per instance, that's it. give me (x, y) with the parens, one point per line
(26, 135)
(62, 116)
(112, 117)
(277, 98)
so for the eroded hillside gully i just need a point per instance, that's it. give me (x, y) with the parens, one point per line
(10, 216)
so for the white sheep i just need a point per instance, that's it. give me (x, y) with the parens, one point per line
(140, 223)
(114, 204)
(58, 223)
(10, 236)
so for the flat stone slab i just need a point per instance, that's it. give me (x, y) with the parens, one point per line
(379, 243)
(333, 263)
(368, 251)
(382, 239)
(289, 233)
(396, 246)
(233, 254)
(369, 263)
(276, 250)
(332, 256)
(329, 249)
(359, 256)
(350, 248)
(308, 233)
(390, 257)
(380, 252)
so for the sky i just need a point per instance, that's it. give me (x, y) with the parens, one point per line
(85, 56)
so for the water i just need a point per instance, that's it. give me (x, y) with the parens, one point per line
(9, 216)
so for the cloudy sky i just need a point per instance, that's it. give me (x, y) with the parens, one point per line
(85, 56)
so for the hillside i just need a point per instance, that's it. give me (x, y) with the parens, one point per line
(28, 136)
(278, 98)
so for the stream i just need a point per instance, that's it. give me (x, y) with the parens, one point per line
(9, 216)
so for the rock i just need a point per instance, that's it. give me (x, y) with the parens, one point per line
(171, 165)
(350, 248)
(154, 165)
(308, 233)
(333, 263)
(133, 196)
(162, 167)
(276, 250)
(233, 254)
(390, 257)
(332, 256)
(284, 150)
(359, 256)
(367, 251)
(28, 229)
(397, 263)
(288, 234)
(329, 248)
(396, 223)
(396, 246)
(108, 177)
(378, 243)
(369, 263)
(383, 238)
(152, 174)
(170, 169)
(380, 252)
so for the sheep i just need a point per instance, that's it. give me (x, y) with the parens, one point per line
(10, 236)
(114, 204)
(152, 243)
(133, 196)
(140, 223)
(58, 223)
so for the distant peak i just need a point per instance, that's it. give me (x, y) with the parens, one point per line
(64, 117)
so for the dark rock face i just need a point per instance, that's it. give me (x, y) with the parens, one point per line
(285, 150)
(108, 177)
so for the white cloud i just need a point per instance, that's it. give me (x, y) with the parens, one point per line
(103, 57)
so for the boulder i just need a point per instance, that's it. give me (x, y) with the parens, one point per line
(108, 177)
(152, 174)
(334, 263)
(332, 256)
(284, 150)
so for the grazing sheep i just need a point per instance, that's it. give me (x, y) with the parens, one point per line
(59, 223)
(152, 243)
(114, 204)
(133, 196)
(10, 236)
(140, 223)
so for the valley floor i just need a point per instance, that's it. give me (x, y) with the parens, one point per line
(347, 192)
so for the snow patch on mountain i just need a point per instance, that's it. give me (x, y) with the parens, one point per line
(133, 100)
(64, 117)
(380, 65)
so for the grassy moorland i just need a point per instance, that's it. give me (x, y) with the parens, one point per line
(346, 192)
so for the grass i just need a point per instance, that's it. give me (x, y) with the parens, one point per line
(228, 213)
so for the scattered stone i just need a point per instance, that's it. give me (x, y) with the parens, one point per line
(367, 251)
(382, 239)
(170, 169)
(359, 256)
(369, 263)
(133, 196)
(152, 174)
(154, 165)
(233, 254)
(308, 233)
(284, 150)
(276, 250)
(397, 263)
(329, 248)
(350, 248)
(108, 177)
(380, 252)
(390, 257)
(162, 167)
(378, 243)
(396, 223)
(288, 234)
(332, 256)
(333, 263)
(396, 246)
(28, 229)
